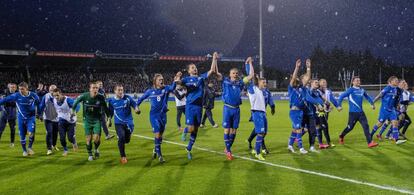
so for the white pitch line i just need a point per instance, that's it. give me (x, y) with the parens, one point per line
(390, 188)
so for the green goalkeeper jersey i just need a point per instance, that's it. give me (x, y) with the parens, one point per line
(93, 107)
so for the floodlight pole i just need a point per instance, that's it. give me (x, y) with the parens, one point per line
(260, 39)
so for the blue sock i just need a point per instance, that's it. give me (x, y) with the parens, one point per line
(227, 142)
(299, 138)
(232, 138)
(23, 143)
(157, 142)
(185, 130)
(193, 137)
(389, 131)
(31, 140)
(292, 138)
(259, 141)
(383, 128)
(395, 133)
(374, 130)
(65, 148)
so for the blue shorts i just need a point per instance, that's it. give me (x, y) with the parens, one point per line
(296, 117)
(158, 122)
(26, 125)
(260, 122)
(387, 115)
(231, 117)
(193, 115)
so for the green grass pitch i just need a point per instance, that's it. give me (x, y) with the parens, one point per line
(209, 172)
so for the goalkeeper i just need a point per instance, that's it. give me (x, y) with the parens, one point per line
(93, 104)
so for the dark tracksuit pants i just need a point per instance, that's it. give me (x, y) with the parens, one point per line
(52, 131)
(6, 118)
(66, 128)
(180, 111)
(362, 119)
(208, 114)
(124, 136)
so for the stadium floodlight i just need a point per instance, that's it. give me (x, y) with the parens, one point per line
(98, 53)
(32, 51)
(155, 55)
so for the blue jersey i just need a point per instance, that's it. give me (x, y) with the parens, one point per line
(310, 105)
(295, 97)
(268, 98)
(355, 96)
(195, 89)
(158, 98)
(26, 105)
(121, 109)
(389, 98)
(232, 92)
(299, 96)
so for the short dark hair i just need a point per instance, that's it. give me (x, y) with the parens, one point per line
(355, 77)
(118, 85)
(24, 84)
(188, 66)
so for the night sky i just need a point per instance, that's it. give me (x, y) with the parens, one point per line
(292, 28)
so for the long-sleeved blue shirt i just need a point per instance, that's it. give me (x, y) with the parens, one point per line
(232, 92)
(120, 108)
(268, 98)
(26, 105)
(389, 98)
(158, 98)
(195, 89)
(355, 96)
(311, 105)
(299, 96)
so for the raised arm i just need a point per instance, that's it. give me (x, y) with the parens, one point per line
(250, 70)
(213, 64)
(219, 75)
(295, 72)
(308, 73)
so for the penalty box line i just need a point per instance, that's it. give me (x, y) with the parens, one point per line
(389, 188)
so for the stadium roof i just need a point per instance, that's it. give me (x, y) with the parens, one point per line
(58, 59)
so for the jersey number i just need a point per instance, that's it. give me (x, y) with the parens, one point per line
(158, 98)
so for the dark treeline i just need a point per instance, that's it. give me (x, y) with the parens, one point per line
(330, 64)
